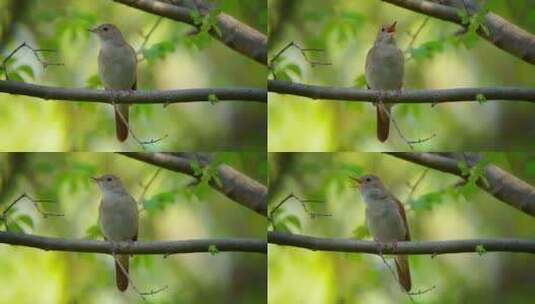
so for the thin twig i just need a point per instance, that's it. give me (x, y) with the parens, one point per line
(393, 273)
(303, 204)
(147, 185)
(35, 52)
(136, 290)
(147, 37)
(136, 139)
(409, 142)
(415, 35)
(303, 53)
(3, 216)
(416, 184)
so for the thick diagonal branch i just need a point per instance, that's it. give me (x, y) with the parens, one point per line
(499, 183)
(405, 96)
(413, 247)
(140, 247)
(140, 97)
(233, 33)
(503, 34)
(234, 184)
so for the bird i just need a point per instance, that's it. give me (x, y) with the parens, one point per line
(117, 65)
(384, 71)
(386, 220)
(118, 219)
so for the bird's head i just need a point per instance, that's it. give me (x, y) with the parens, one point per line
(369, 185)
(386, 34)
(108, 182)
(107, 32)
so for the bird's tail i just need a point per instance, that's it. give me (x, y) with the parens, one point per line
(121, 125)
(404, 274)
(120, 277)
(383, 122)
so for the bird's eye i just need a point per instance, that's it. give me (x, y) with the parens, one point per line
(382, 29)
(368, 179)
(105, 29)
(108, 179)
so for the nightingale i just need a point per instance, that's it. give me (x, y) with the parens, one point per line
(384, 72)
(117, 64)
(386, 220)
(118, 219)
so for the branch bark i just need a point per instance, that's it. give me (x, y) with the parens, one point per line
(139, 247)
(405, 96)
(139, 97)
(503, 34)
(233, 33)
(412, 247)
(234, 184)
(501, 184)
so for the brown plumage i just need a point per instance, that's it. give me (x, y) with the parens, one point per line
(384, 71)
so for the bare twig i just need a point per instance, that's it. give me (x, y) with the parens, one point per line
(35, 202)
(409, 142)
(35, 52)
(147, 37)
(136, 290)
(147, 185)
(393, 273)
(303, 52)
(136, 139)
(415, 185)
(303, 203)
(416, 34)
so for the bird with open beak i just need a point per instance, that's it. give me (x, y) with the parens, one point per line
(386, 220)
(384, 72)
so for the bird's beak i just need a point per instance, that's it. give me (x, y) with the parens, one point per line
(93, 30)
(392, 28)
(95, 179)
(357, 181)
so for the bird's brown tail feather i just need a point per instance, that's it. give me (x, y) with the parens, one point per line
(120, 126)
(383, 122)
(120, 278)
(404, 274)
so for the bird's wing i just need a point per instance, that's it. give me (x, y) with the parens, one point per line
(404, 218)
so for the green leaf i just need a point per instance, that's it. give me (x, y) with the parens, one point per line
(361, 232)
(93, 232)
(292, 220)
(26, 219)
(480, 250)
(212, 249)
(427, 201)
(93, 82)
(196, 167)
(158, 50)
(360, 82)
(427, 50)
(481, 98)
(212, 98)
(26, 69)
(159, 201)
(15, 227)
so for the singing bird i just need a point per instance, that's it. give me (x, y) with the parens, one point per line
(117, 65)
(384, 71)
(386, 220)
(118, 219)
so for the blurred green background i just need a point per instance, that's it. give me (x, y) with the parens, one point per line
(172, 209)
(346, 30)
(175, 61)
(436, 211)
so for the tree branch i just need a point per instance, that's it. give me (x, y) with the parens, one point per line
(501, 32)
(154, 247)
(412, 247)
(405, 96)
(233, 33)
(499, 183)
(139, 97)
(233, 184)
